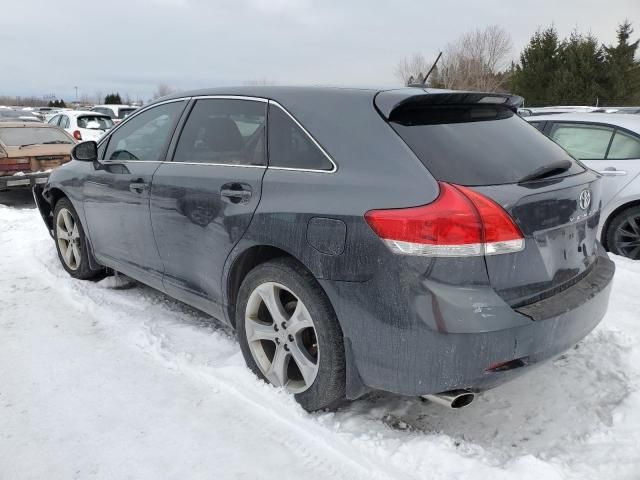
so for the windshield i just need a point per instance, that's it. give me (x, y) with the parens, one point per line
(95, 122)
(125, 112)
(478, 144)
(17, 136)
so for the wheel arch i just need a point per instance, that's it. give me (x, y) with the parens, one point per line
(242, 264)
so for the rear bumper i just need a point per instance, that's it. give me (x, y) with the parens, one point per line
(409, 357)
(28, 180)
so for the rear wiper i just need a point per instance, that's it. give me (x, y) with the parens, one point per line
(547, 171)
(28, 145)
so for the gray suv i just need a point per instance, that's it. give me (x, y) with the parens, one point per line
(415, 241)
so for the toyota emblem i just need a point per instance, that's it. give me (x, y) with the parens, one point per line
(585, 199)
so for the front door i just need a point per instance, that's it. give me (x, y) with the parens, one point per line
(203, 201)
(117, 193)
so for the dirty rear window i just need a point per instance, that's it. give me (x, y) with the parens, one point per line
(476, 144)
(17, 136)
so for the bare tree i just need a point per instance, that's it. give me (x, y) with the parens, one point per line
(412, 69)
(476, 61)
(163, 90)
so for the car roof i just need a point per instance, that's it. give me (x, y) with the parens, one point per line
(314, 96)
(628, 121)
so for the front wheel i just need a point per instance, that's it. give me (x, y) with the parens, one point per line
(623, 233)
(289, 334)
(70, 241)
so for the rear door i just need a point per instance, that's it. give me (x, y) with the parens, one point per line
(204, 199)
(611, 151)
(117, 192)
(491, 150)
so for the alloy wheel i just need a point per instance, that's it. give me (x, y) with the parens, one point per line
(627, 237)
(282, 337)
(68, 238)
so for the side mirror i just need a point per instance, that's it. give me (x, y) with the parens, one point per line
(85, 151)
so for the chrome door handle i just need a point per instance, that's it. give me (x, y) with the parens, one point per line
(235, 193)
(611, 172)
(138, 187)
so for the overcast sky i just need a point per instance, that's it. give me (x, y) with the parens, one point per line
(131, 46)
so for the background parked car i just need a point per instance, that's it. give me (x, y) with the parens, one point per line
(116, 112)
(609, 144)
(83, 125)
(28, 152)
(11, 115)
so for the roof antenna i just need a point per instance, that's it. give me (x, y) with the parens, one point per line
(424, 81)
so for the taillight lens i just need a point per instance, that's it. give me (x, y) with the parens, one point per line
(15, 164)
(77, 135)
(460, 222)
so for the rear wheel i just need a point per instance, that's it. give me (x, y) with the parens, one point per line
(70, 241)
(623, 233)
(289, 334)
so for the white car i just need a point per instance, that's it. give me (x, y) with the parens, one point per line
(116, 112)
(609, 144)
(83, 125)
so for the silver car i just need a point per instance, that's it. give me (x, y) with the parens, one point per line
(609, 144)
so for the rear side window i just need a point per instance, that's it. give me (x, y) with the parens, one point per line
(583, 141)
(624, 147)
(476, 144)
(290, 146)
(224, 131)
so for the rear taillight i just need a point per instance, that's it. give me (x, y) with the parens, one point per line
(460, 222)
(15, 164)
(77, 135)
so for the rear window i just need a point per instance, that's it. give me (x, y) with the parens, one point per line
(125, 112)
(95, 122)
(476, 144)
(15, 137)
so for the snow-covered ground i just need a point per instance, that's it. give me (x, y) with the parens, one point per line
(117, 384)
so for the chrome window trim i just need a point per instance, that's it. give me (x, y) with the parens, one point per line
(306, 132)
(138, 112)
(216, 164)
(228, 97)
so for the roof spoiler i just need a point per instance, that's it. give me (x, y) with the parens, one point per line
(391, 100)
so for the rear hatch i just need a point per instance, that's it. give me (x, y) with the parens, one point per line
(26, 149)
(478, 141)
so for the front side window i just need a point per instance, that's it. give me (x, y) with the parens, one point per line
(582, 141)
(145, 136)
(290, 146)
(624, 146)
(224, 131)
(64, 121)
(54, 120)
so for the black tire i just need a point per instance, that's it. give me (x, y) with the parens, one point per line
(80, 269)
(328, 388)
(623, 233)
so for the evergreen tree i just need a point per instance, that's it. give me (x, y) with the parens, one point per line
(113, 99)
(534, 77)
(623, 70)
(580, 77)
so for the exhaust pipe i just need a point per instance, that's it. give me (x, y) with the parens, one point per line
(452, 398)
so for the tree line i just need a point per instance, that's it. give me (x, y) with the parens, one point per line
(577, 70)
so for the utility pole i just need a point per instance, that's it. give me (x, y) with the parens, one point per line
(76, 94)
